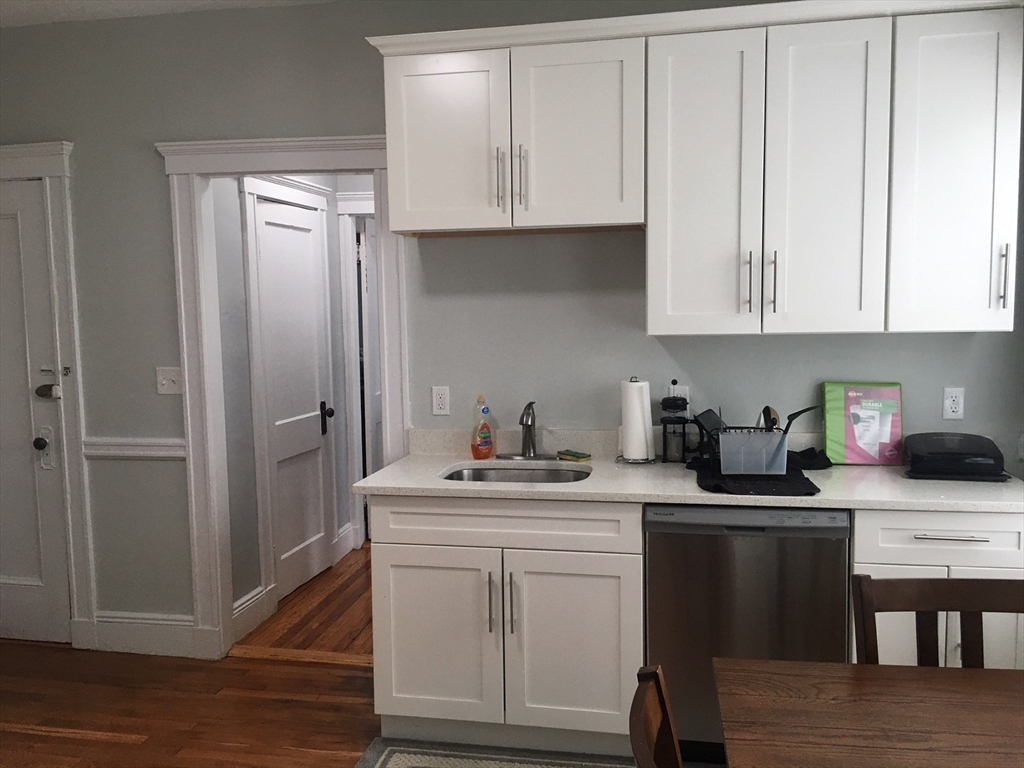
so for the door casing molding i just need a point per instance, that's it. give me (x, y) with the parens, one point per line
(189, 166)
(50, 162)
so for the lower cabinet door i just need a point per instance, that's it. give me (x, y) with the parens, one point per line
(1003, 633)
(437, 632)
(897, 632)
(574, 639)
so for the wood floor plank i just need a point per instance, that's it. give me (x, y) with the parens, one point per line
(363, 643)
(340, 634)
(70, 708)
(291, 654)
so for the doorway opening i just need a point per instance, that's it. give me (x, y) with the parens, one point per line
(300, 347)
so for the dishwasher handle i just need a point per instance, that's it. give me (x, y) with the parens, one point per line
(767, 531)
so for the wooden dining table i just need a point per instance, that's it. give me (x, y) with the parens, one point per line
(794, 713)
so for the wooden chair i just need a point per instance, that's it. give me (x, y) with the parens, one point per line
(927, 597)
(652, 731)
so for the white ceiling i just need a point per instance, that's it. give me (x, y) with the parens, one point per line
(20, 13)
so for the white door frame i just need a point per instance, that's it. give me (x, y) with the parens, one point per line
(190, 166)
(50, 162)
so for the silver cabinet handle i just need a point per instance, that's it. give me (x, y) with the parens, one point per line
(520, 174)
(511, 604)
(501, 181)
(1006, 275)
(775, 281)
(750, 284)
(935, 537)
(526, 179)
(497, 176)
(490, 602)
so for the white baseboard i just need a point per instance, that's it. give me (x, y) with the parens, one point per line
(251, 611)
(344, 544)
(147, 633)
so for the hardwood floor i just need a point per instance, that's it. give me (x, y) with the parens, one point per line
(71, 708)
(326, 619)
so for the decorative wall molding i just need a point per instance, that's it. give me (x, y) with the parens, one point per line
(130, 617)
(35, 161)
(252, 610)
(135, 448)
(253, 156)
(153, 634)
(297, 184)
(345, 542)
(355, 203)
(285, 190)
(701, 20)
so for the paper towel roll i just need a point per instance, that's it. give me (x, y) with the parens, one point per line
(637, 426)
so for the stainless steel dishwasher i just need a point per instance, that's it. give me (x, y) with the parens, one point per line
(742, 582)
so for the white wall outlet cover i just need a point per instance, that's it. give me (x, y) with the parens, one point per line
(953, 403)
(169, 381)
(439, 401)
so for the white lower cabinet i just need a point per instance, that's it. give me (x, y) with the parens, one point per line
(534, 637)
(956, 545)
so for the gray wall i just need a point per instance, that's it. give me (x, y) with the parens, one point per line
(117, 87)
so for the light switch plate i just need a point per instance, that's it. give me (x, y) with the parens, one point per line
(169, 381)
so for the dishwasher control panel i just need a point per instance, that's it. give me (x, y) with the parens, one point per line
(773, 521)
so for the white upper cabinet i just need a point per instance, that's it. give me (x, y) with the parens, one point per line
(448, 124)
(956, 160)
(578, 133)
(826, 176)
(705, 166)
(564, 127)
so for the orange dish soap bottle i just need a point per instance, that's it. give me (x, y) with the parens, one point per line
(483, 436)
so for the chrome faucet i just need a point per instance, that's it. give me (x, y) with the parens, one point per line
(528, 420)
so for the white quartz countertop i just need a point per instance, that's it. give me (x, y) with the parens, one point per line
(846, 487)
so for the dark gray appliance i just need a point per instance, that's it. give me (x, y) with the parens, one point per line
(741, 582)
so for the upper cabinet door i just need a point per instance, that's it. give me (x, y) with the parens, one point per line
(826, 176)
(955, 166)
(705, 165)
(578, 133)
(448, 140)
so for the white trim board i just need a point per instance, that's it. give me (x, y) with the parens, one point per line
(134, 448)
(284, 190)
(50, 162)
(189, 166)
(355, 203)
(701, 20)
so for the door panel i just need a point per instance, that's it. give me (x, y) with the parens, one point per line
(34, 592)
(437, 632)
(956, 160)
(448, 128)
(291, 275)
(574, 638)
(897, 632)
(705, 167)
(826, 176)
(578, 133)
(1003, 633)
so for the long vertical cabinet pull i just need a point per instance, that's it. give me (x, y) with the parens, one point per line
(750, 283)
(520, 174)
(511, 604)
(775, 281)
(1006, 276)
(490, 602)
(497, 176)
(525, 179)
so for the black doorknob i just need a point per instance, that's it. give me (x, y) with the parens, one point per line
(40, 443)
(329, 413)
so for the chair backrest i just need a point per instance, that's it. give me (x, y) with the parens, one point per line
(927, 598)
(652, 731)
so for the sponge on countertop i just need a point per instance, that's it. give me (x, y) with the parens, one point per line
(573, 456)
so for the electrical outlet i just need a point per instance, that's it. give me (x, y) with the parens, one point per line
(953, 403)
(439, 401)
(169, 381)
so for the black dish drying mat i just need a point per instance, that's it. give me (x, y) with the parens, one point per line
(793, 483)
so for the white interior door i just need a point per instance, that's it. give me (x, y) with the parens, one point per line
(34, 592)
(578, 133)
(369, 321)
(705, 170)
(574, 638)
(290, 326)
(826, 176)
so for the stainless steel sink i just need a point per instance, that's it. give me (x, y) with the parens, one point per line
(517, 474)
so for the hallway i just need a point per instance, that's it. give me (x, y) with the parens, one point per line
(327, 619)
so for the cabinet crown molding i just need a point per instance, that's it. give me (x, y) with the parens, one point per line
(702, 20)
